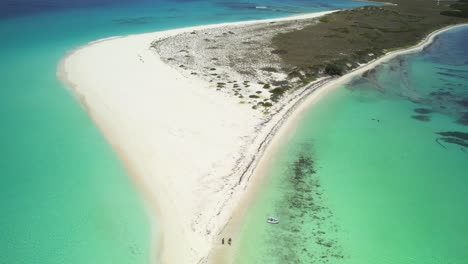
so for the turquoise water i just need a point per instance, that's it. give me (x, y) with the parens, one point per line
(64, 195)
(366, 178)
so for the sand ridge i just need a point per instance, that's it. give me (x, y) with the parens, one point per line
(191, 149)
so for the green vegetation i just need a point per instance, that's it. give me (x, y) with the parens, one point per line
(306, 75)
(334, 69)
(269, 69)
(311, 49)
(266, 104)
(459, 9)
(277, 93)
(279, 51)
(346, 38)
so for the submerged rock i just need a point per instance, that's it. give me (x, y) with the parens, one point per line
(453, 75)
(456, 134)
(441, 93)
(423, 118)
(423, 110)
(306, 214)
(454, 141)
(463, 102)
(463, 119)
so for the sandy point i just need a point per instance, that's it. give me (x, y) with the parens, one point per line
(187, 147)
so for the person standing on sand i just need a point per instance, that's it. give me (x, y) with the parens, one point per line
(222, 241)
(229, 241)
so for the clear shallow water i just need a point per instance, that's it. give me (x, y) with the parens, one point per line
(64, 195)
(387, 188)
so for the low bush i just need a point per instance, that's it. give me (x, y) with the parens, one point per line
(333, 69)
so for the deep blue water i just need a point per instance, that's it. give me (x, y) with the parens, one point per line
(64, 195)
(12, 8)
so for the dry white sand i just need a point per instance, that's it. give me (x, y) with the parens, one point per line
(286, 127)
(190, 149)
(186, 145)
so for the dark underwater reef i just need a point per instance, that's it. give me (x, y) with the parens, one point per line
(308, 233)
(453, 137)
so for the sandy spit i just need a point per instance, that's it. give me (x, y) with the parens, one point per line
(189, 149)
(195, 153)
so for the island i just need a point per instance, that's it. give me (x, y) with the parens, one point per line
(196, 114)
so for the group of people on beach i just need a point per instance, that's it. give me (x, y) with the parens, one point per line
(229, 241)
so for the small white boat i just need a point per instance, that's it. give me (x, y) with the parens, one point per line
(272, 220)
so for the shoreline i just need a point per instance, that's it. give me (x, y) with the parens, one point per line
(289, 123)
(256, 168)
(91, 102)
(151, 208)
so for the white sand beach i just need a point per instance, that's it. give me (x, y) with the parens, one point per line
(191, 150)
(284, 130)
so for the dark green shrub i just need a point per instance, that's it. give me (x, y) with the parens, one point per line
(279, 52)
(269, 69)
(277, 93)
(333, 69)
